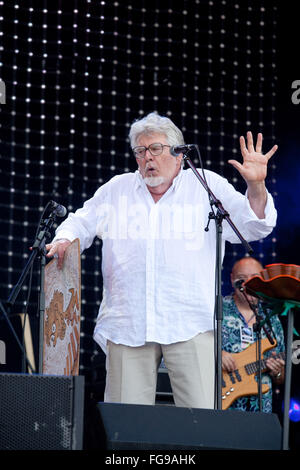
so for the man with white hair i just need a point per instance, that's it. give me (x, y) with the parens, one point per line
(158, 262)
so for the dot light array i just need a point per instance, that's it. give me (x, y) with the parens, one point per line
(78, 73)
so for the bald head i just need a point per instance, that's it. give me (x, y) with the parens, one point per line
(245, 268)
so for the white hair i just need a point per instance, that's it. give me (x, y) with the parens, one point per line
(153, 123)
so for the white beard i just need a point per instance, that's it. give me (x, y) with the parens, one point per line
(154, 181)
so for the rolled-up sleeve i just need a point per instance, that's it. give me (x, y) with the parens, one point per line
(83, 223)
(241, 214)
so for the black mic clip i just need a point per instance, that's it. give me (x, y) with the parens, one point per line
(176, 150)
(238, 285)
(57, 209)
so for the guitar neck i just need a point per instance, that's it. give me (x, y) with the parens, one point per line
(253, 367)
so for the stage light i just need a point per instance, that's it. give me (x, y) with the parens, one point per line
(294, 412)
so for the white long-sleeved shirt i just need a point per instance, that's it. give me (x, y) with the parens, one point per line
(158, 262)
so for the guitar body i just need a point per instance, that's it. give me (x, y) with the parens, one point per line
(241, 382)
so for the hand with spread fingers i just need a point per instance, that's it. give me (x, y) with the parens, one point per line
(254, 171)
(254, 167)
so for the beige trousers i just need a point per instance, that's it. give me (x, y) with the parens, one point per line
(132, 372)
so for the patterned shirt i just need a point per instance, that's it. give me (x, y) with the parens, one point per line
(234, 326)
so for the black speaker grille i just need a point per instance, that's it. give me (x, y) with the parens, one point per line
(36, 412)
(170, 427)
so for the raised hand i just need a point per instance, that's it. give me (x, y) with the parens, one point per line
(254, 166)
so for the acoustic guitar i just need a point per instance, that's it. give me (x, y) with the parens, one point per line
(241, 382)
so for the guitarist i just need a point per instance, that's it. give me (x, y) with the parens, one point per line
(238, 332)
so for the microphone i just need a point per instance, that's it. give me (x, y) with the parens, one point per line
(238, 284)
(176, 150)
(59, 210)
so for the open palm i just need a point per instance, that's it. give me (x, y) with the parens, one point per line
(255, 163)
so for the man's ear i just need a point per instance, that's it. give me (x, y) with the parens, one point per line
(179, 160)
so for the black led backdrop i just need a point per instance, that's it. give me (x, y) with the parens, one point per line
(78, 73)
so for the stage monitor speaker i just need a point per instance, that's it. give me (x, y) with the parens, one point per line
(164, 427)
(39, 412)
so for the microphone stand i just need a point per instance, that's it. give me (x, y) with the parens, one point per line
(218, 217)
(38, 250)
(258, 326)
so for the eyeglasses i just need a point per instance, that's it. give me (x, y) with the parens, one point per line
(155, 150)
